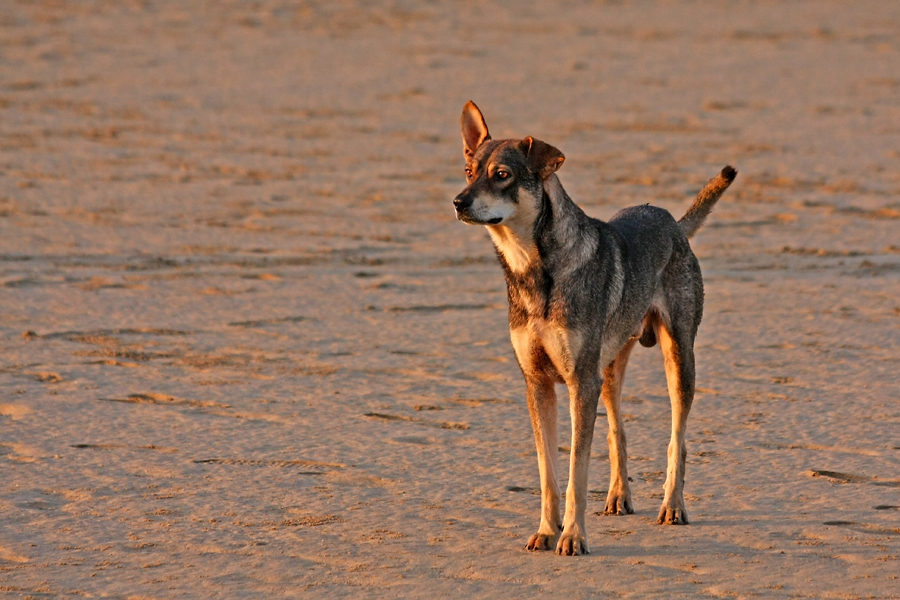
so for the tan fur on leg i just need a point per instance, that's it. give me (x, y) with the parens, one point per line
(542, 407)
(618, 499)
(584, 393)
(679, 361)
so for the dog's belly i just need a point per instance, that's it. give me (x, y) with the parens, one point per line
(544, 347)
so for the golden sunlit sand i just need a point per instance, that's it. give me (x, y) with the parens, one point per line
(248, 352)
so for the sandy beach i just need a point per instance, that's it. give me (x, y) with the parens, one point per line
(247, 351)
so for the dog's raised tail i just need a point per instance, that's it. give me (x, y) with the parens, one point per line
(695, 216)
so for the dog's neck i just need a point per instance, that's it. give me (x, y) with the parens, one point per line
(522, 241)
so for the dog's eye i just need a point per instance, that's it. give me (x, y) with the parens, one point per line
(468, 173)
(502, 175)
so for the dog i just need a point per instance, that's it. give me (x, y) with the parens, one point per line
(581, 294)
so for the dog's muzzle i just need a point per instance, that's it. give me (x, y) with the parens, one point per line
(462, 202)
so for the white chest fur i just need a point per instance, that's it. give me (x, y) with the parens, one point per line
(517, 253)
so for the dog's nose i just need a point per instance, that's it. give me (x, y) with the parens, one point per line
(462, 202)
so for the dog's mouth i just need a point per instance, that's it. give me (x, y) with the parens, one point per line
(469, 220)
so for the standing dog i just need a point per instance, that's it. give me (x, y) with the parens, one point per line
(581, 294)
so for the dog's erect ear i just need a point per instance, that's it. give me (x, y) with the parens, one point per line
(474, 129)
(542, 158)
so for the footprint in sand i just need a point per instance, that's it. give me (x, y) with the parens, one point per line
(14, 411)
(440, 308)
(426, 422)
(864, 527)
(10, 556)
(45, 376)
(853, 478)
(154, 398)
(595, 495)
(128, 446)
(264, 322)
(321, 467)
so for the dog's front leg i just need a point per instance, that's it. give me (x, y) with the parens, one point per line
(542, 407)
(584, 394)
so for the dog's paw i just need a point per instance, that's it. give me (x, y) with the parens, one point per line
(618, 503)
(540, 541)
(572, 544)
(672, 513)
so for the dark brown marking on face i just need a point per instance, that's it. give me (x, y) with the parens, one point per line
(499, 168)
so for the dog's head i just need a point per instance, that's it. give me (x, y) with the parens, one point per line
(504, 178)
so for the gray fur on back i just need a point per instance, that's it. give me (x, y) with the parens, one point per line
(605, 277)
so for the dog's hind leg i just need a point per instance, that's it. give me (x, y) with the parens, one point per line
(618, 499)
(677, 346)
(542, 407)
